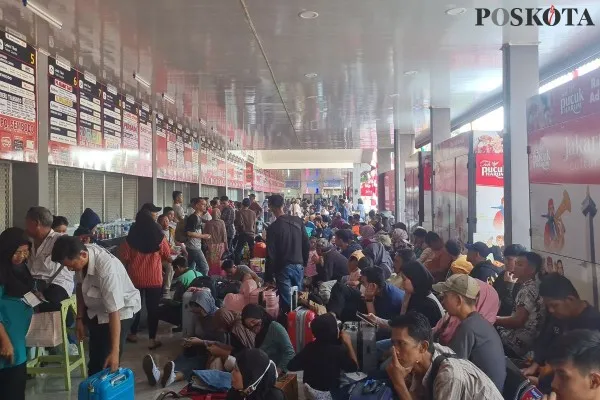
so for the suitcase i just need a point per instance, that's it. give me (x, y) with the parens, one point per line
(267, 298)
(288, 384)
(364, 339)
(108, 386)
(237, 302)
(257, 264)
(299, 327)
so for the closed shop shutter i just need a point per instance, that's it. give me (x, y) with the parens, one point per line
(209, 191)
(52, 190)
(70, 194)
(113, 197)
(160, 193)
(93, 193)
(130, 194)
(5, 196)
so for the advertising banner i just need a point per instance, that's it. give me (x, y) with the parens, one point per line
(162, 162)
(564, 176)
(389, 184)
(249, 179)
(18, 112)
(145, 136)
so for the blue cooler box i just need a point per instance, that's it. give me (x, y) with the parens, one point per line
(106, 386)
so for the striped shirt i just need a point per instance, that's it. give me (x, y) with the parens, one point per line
(145, 269)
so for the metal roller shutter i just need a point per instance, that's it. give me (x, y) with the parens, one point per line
(130, 193)
(160, 193)
(186, 193)
(114, 192)
(209, 191)
(5, 196)
(70, 194)
(93, 197)
(52, 190)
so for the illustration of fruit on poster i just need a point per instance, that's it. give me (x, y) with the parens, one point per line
(444, 187)
(489, 179)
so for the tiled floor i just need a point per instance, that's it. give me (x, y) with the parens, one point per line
(52, 388)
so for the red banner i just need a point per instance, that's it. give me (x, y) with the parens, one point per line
(249, 176)
(489, 170)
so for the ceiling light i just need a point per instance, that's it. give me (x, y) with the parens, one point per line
(412, 72)
(456, 11)
(42, 13)
(394, 95)
(308, 14)
(168, 98)
(141, 80)
(311, 75)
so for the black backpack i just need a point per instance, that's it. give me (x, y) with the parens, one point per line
(516, 385)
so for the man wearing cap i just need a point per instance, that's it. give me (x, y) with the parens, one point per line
(483, 268)
(152, 209)
(332, 266)
(475, 338)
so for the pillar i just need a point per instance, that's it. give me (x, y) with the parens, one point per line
(384, 160)
(404, 146)
(520, 82)
(439, 124)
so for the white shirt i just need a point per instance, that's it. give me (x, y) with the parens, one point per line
(106, 287)
(41, 265)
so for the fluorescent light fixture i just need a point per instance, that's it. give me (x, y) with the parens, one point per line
(42, 13)
(311, 75)
(308, 14)
(141, 80)
(456, 11)
(168, 98)
(412, 72)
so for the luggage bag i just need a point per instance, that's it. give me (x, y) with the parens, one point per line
(105, 385)
(299, 327)
(364, 340)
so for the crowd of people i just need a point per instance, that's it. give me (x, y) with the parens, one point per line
(450, 319)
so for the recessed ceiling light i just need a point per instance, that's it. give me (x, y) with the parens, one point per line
(456, 11)
(412, 72)
(394, 95)
(311, 75)
(308, 14)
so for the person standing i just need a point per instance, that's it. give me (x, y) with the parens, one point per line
(178, 206)
(143, 252)
(254, 206)
(245, 225)
(106, 299)
(15, 314)
(50, 279)
(287, 252)
(193, 230)
(217, 244)
(228, 216)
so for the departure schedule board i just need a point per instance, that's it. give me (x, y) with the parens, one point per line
(63, 87)
(179, 152)
(90, 112)
(162, 164)
(111, 118)
(18, 113)
(145, 140)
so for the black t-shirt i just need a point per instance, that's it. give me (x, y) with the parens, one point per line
(588, 319)
(322, 365)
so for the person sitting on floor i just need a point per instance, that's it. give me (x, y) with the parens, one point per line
(327, 356)
(271, 336)
(239, 273)
(382, 298)
(253, 377)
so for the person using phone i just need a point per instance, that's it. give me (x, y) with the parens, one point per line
(382, 298)
(106, 299)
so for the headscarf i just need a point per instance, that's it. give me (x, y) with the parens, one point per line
(400, 239)
(255, 311)
(488, 305)
(367, 232)
(145, 234)
(231, 322)
(89, 219)
(381, 258)
(258, 372)
(16, 279)
(216, 214)
(325, 329)
(205, 300)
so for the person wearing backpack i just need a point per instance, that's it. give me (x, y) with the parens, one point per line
(436, 373)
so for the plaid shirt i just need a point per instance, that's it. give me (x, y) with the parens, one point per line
(228, 216)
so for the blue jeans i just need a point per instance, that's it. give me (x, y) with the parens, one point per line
(290, 275)
(197, 261)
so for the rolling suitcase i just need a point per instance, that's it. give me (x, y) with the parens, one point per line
(364, 340)
(299, 327)
(108, 386)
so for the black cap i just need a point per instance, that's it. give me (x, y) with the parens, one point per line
(480, 248)
(150, 207)
(513, 250)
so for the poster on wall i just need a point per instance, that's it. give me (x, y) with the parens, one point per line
(187, 154)
(389, 184)
(249, 176)
(62, 96)
(564, 177)
(412, 192)
(195, 156)
(131, 142)
(162, 163)
(145, 138)
(89, 134)
(171, 172)
(426, 168)
(18, 112)
(179, 153)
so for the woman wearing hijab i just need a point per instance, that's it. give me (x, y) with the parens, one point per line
(15, 315)
(327, 356)
(195, 354)
(488, 305)
(271, 336)
(417, 283)
(254, 377)
(142, 253)
(400, 238)
(217, 244)
(87, 225)
(376, 251)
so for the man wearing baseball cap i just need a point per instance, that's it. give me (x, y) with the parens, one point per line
(483, 269)
(475, 338)
(152, 209)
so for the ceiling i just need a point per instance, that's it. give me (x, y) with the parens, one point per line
(240, 65)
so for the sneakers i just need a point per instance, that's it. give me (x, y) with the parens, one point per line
(169, 376)
(152, 372)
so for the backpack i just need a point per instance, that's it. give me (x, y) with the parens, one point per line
(435, 368)
(517, 386)
(180, 234)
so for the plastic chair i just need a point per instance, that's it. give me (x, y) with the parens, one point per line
(66, 363)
